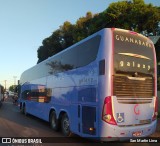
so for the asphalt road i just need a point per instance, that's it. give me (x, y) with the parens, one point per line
(14, 124)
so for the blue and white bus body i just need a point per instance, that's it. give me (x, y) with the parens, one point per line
(85, 92)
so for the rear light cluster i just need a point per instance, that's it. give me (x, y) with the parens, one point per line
(107, 114)
(155, 114)
(29, 98)
(132, 32)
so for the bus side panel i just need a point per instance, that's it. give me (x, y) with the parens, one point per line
(38, 86)
(75, 90)
(104, 80)
(86, 101)
(77, 95)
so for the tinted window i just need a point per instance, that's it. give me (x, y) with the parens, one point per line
(54, 65)
(87, 52)
(35, 72)
(69, 59)
(35, 92)
(133, 53)
(77, 56)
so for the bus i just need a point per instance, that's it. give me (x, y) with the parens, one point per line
(1, 94)
(103, 87)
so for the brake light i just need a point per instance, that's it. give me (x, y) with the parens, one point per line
(132, 32)
(107, 114)
(29, 98)
(155, 114)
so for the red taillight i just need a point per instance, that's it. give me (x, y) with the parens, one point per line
(155, 114)
(132, 32)
(107, 114)
(29, 98)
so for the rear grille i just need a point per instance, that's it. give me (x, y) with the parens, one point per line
(133, 90)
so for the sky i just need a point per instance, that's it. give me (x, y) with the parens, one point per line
(24, 24)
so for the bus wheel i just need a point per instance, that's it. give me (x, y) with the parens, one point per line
(24, 110)
(65, 126)
(21, 109)
(54, 121)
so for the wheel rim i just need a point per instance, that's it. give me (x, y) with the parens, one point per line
(53, 121)
(66, 125)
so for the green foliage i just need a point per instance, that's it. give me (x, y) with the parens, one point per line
(12, 88)
(133, 15)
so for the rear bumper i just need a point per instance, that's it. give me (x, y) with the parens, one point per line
(113, 132)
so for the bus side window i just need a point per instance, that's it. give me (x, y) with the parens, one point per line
(69, 59)
(102, 67)
(87, 51)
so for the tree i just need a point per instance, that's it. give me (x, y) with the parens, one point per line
(133, 15)
(12, 88)
(59, 40)
(67, 33)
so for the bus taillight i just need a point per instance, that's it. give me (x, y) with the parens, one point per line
(155, 110)
(107, 114)
(29, 98)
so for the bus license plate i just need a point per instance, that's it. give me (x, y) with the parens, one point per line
(137, 133)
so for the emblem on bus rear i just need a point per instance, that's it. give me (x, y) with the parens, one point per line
(120, 117)
(136, 109)
(135, 55)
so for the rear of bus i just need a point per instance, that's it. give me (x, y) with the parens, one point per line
(130, 110)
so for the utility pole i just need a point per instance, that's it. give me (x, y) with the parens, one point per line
(5, 83)
(14, 77)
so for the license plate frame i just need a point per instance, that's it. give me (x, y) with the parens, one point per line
(137, 133)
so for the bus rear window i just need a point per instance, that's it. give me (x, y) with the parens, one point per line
(132, 53)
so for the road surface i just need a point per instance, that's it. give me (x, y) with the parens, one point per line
(14, 124)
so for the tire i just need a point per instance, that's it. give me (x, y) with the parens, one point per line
(25, 110)
(21, 109)
(65, 126)
(53, 121)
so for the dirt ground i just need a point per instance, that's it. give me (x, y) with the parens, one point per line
(157, 133)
